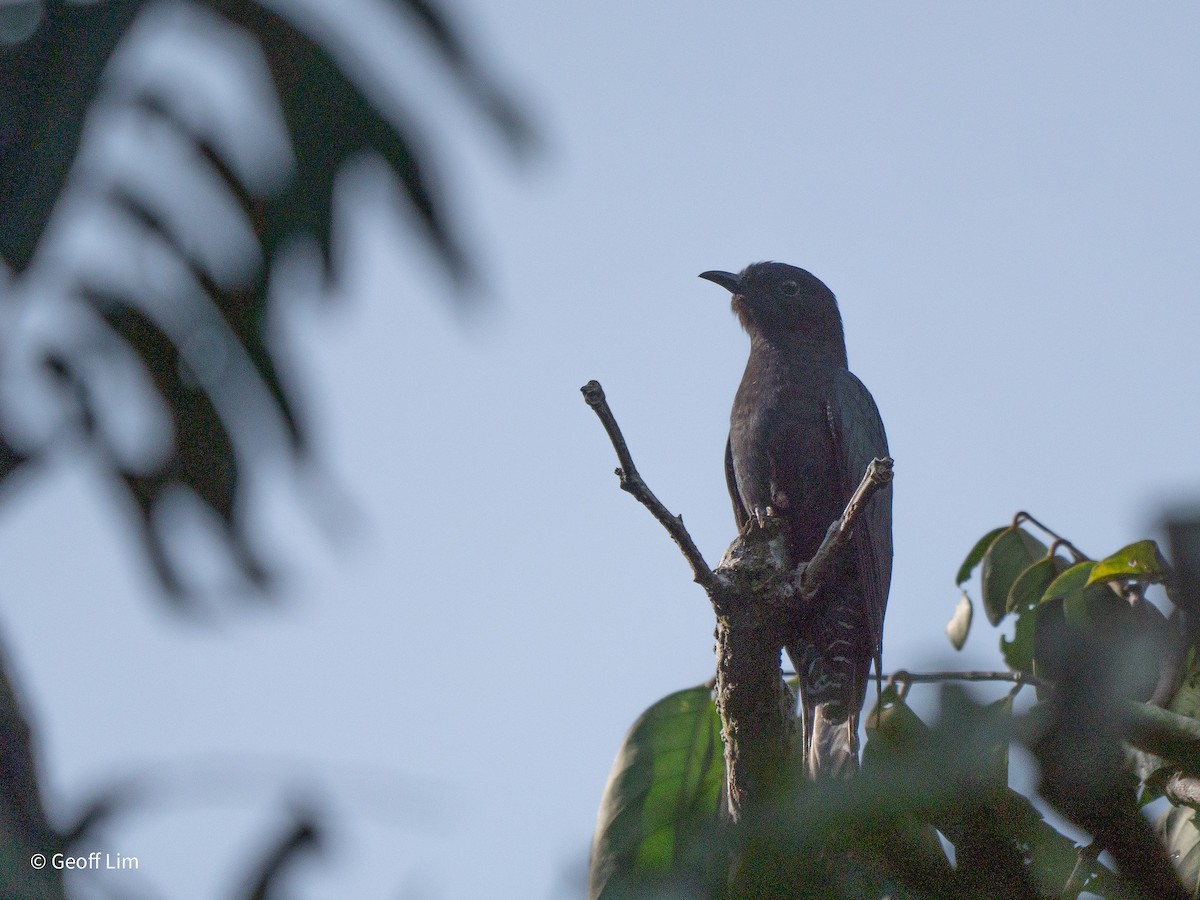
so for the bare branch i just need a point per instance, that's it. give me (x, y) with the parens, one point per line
(930, 677)
(632, 483)
(1059, 540)
(810, 574)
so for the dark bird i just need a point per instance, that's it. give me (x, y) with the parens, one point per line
(802, 432)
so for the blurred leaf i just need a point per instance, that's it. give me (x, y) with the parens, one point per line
(241, 307)
(1165, 639)
(1078, 743)
(1141, 561)
(976, 555)
(984, 730)
(657, 833)
(331, 121)
(1129, 643)
(24, 829)
(1177, 829)
(1052, 855)
(98, 811)
(892, 727)
(1183, 538)
(1000, 712)
(11, 459)
(1051, 640)
(959, 625)
(202, 460)
(269, 876)
(56, 74)
(508, 118)
(53, 79)
(954, 775)
(49, 83)
(1174, 738)
(1186, 701)
(1010, 554)
(18, 20)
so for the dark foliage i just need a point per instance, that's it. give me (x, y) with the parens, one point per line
(228, 403)
(1116, 725)
(220, 414)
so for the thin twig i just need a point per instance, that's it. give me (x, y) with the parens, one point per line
(811, 574)
(1019, 678)
(1079, 874)
(632, 483)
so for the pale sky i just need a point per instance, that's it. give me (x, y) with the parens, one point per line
(1005, 200)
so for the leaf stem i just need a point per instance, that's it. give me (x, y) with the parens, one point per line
(1059, 540)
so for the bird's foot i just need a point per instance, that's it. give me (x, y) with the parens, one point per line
(762, 513)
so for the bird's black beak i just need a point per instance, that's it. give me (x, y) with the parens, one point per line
(727, 280)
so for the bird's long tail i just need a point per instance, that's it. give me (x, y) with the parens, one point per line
(831, 742)
(832, 683)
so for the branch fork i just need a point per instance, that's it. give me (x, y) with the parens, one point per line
(752, 593)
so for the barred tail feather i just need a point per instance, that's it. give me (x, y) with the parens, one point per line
(832, 745)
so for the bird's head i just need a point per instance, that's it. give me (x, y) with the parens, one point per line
(775, 301)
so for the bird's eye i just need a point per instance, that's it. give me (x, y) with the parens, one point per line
(789, 288)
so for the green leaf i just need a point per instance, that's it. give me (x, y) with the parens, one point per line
(960, 623)
(1097, 606)
(1029, 588)
(1050, 640)
(975, 557)
(1069, 587)
(657, 833)
(1023, 599)
(1000, 711)
(892, 727)
(1127, 643)
(1008, 556)
(1141, 561)
(1018, 653)
(1180, 837)
(988, 822)
(1072, 581)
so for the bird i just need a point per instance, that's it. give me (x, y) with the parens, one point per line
(802, 432)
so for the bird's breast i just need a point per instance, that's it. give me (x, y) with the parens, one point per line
(783, 452)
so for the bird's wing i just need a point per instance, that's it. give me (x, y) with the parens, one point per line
(739, 508)
(859, 437)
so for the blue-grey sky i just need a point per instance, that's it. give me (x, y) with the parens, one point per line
(1005, 201)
